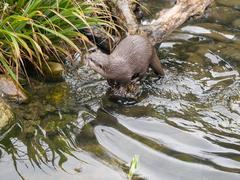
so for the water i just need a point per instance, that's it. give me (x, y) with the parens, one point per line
(185, 126)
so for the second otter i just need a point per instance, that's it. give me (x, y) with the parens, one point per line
(131, 58)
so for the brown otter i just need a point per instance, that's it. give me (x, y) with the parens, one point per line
(131, 58)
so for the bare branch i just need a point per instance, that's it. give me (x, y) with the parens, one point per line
(172, 18)
(131, 21)
(168, 21)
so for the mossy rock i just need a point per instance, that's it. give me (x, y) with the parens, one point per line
(236, 23)
(232, 52)
(54, 72)
(58, 94)
(222, 14)
(231, 3)
(6, 114)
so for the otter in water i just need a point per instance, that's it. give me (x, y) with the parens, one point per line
(130, 59)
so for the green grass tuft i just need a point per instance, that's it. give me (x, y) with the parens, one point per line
(35, 30)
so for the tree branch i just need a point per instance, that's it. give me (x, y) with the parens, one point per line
(131, 21)
(167, 21)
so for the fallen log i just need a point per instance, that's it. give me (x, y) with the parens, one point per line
(168, 19)
(166, 22)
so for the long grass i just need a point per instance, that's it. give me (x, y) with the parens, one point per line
(35, 30)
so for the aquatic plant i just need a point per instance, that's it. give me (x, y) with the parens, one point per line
(133, 166)
(33, 31)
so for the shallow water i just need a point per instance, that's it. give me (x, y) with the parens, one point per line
(184, 126)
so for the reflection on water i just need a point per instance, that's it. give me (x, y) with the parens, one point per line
(185, 126)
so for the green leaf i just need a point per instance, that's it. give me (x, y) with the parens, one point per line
(66, 39)
(7, 67)
(133, 166)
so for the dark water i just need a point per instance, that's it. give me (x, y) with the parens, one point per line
(185, 126)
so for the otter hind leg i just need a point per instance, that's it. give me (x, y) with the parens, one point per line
(138, 76)
(135, 76)
(156, 65)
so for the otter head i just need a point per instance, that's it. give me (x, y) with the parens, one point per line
(99, 62)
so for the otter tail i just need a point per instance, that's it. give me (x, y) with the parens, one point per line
(156, 65)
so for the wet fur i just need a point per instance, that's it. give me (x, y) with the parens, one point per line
(132, 57)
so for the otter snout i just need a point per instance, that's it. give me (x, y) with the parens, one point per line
(98, 61)
(89, 59)
(92, 61)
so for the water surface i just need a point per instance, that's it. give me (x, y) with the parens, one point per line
(184, 126)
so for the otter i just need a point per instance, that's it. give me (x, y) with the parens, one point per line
(130, 59)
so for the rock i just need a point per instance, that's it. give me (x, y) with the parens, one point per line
(196, 59)
(9, 89)
(222, 14)
(53, 122)
(58, 94)
(231, 3)
(6, 115)
(54, 72)
(236, 23)
(231, 52)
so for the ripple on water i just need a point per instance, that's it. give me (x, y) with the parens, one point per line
(184, 126)
(195, 112)
(187, 125)
(153, 163)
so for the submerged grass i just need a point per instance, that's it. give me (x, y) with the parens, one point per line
(34, 30)
(133, 166)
